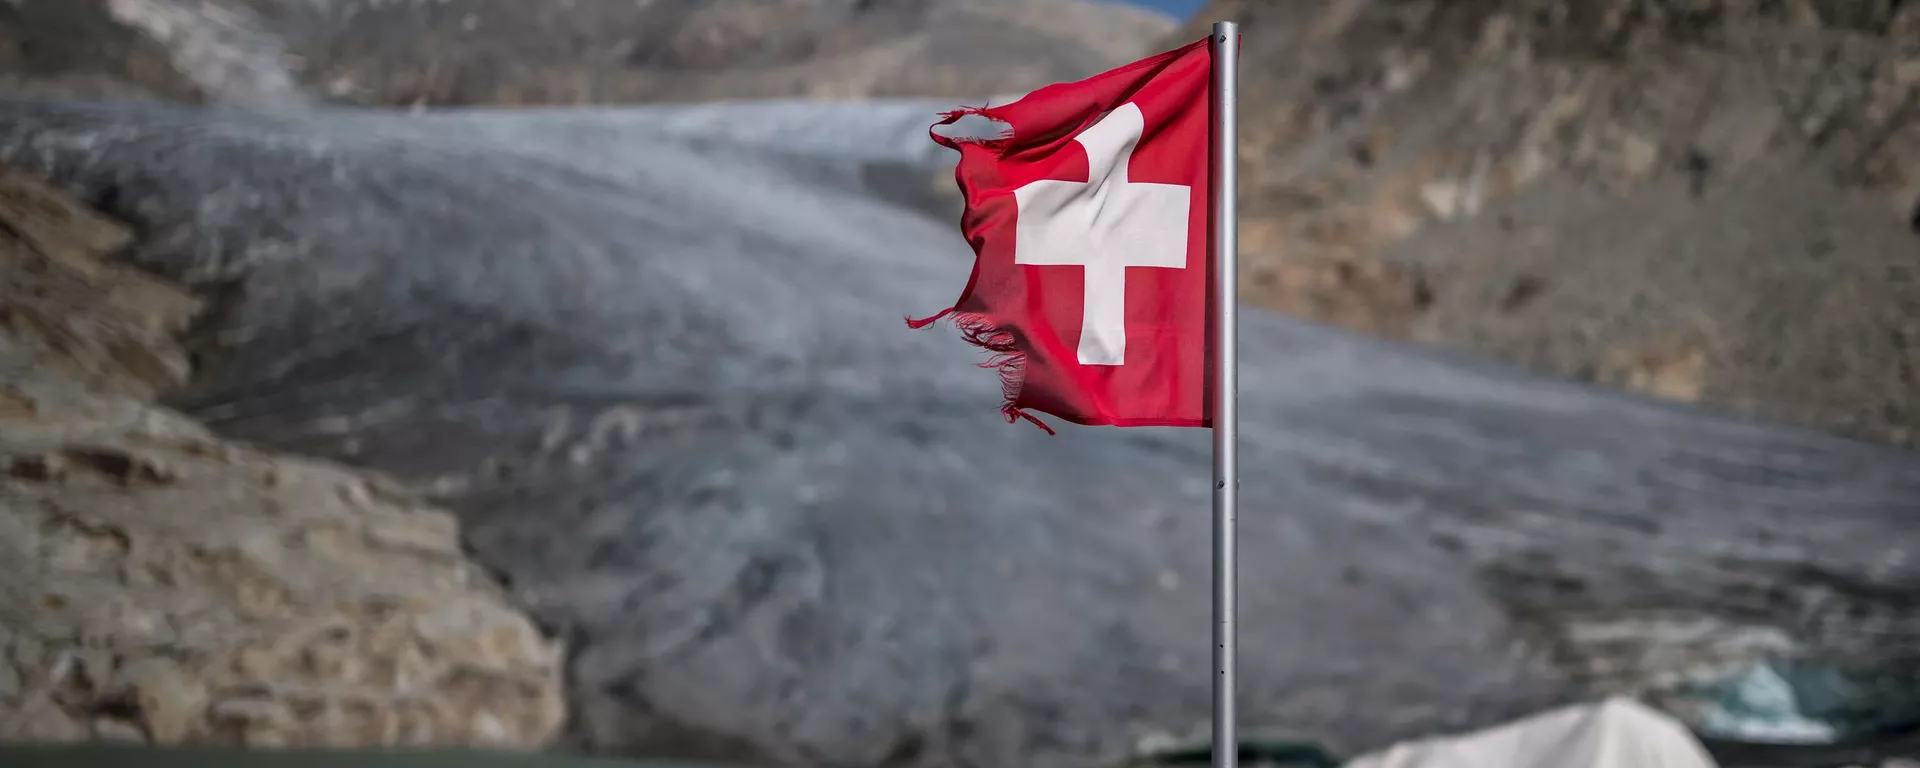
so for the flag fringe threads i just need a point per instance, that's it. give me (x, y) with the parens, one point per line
(976, 328)
(1006, 358)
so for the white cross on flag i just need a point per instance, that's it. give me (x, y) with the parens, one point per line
(1089, 228)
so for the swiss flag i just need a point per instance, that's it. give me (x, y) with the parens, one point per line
(1088, 219)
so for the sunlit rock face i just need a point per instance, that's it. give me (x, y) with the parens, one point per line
(160, 584)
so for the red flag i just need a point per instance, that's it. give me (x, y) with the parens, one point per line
(1088, 220)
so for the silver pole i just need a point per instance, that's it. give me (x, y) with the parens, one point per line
(1226, 481)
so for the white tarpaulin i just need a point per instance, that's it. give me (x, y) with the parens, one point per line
(1617, 733)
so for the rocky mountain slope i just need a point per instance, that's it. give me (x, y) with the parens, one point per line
(79, 50)
(464, 52)
(611, 51)
(159, 583)
(653, 358)
(1710, 200)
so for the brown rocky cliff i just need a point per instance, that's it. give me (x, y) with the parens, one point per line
(615, 51)
(571, 52)
(1708, 200)
(160, 584)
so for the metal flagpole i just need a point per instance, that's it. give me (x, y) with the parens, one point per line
(1226, 481)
